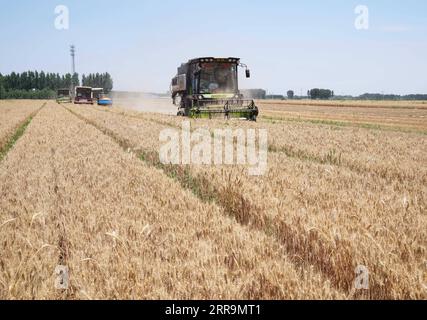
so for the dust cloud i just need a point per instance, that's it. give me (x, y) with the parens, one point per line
(144, 102)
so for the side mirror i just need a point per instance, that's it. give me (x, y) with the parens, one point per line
(248, 73)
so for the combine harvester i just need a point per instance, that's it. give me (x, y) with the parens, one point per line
(83, 95)
(101, 98)
(63, 96)
(208, 88)
(105, 101)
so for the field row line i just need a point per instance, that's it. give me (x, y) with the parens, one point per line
(59, 221)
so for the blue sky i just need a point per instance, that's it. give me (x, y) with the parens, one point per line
(287, 44)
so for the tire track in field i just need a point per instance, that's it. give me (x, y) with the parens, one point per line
(63, 243)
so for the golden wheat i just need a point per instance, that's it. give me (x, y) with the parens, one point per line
(73, 192)
(71, 196)
(331, 216)
(12, 114)
(398, 116)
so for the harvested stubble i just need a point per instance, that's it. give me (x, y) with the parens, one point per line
(329, 217)
(70, 195)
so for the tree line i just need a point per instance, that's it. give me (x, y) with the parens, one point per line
(314, 94)
(380, 96)
(98, 80)
(325, 94)
(322, 94)
(42, 85)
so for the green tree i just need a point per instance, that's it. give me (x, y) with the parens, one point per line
(42, 85)
(2, 90)
(322, 94)
(75, 79)
(36, 82)
(290, 94)
(98, 80)
(108, 83)
(31, 80)
(58, 81)
(23, 81)
(68, 80)
(42, 81)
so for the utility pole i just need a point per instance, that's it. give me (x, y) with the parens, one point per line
(73, 55)
(73, 67)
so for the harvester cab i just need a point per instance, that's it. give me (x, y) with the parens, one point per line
(208, 88)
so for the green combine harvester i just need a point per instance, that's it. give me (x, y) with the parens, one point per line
(63, 96)
(208, 88)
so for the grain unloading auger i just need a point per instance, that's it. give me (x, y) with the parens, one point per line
(208, 88)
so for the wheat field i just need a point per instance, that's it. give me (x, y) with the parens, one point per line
(346, 186)
(12, 115)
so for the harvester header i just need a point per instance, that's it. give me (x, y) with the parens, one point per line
(208, 87)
